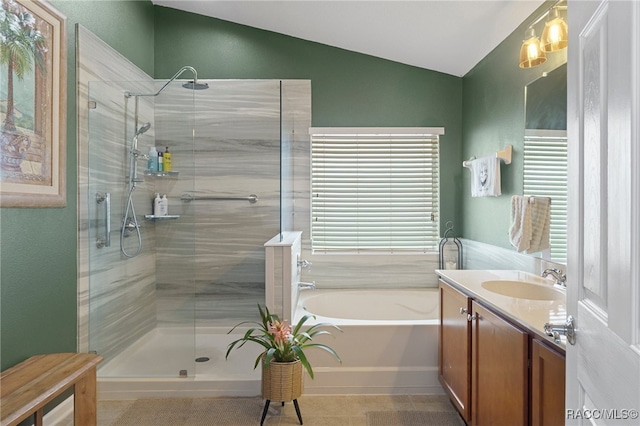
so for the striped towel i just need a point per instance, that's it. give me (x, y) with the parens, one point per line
(520, 228)
(530, 223)
(540, 223)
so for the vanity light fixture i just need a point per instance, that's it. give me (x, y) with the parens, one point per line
(555, 35)
(554, 38)
(531, 53)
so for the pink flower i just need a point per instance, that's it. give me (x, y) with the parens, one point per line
(280, 331)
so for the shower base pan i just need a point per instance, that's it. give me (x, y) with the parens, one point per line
(164, 363)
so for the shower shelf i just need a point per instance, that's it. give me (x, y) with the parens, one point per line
(167, 217)
(161, 174)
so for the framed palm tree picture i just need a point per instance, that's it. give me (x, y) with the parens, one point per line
(33, 106)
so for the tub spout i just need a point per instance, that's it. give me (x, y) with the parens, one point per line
(307, 286)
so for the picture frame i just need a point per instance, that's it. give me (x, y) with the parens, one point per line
(33, 93)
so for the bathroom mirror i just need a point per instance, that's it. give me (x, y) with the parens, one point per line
(546, 101)
(545, 152)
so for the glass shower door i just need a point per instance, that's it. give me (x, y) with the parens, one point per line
(141, 283)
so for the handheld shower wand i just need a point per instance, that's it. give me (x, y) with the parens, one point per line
(134, 153)
(129, 219)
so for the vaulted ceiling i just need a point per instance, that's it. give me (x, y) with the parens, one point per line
(449, 36)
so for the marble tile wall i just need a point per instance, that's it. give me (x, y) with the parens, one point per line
(122, 296)
(207, 267)
(296, 120)
(282, 273)
(479, 255)
(237, 153)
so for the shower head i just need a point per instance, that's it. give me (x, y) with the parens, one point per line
(143, 128)
(194, 85)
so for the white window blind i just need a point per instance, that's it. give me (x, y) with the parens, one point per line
(374, 190)
(545, 175)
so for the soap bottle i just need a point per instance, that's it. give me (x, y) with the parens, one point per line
(152, 163)
(157, 205)
(160, 162)
(166, 160)
(164, 205)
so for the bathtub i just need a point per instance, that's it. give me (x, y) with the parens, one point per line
(388, 343)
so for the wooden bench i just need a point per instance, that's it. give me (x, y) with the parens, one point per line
(27, 387)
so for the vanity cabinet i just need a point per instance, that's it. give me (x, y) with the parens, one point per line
(484, 366)
(547, 385)
(455, 346)
(499, 370)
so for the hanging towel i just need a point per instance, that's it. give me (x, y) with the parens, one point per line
(540, 223)
(520, 229)
(485, 177)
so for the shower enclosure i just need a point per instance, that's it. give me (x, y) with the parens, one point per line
(164, 313)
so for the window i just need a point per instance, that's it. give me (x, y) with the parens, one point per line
(545, 175)
(374, 190)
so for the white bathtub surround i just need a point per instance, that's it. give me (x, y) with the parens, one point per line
(368, 307)
(392, 356)
(282, 273)
(481, 256)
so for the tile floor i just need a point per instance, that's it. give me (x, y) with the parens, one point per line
(320, 410)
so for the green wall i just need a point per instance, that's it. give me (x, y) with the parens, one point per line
(38, 246)
(348, 89)
(493, 117)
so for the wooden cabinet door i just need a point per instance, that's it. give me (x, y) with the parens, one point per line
(499, 369)
(547, 385)
(455, 355)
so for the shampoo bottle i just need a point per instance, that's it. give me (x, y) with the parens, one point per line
(166, 160)
(152, 163)
(160, 162)
(157, 205)
(164, 205)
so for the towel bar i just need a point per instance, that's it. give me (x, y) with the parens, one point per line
(503, 154)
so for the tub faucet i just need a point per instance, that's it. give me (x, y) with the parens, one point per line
(560, 277)
(307, 286)
(303, 263)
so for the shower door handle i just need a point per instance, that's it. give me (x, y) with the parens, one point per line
(105, 197)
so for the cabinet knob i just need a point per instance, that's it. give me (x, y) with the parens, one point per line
(463, 311)
(472, 317)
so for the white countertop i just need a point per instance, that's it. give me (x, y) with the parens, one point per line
(530, 314)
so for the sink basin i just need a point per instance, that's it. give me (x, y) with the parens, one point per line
(523, 290)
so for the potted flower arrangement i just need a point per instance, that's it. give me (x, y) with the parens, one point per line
(283, 356)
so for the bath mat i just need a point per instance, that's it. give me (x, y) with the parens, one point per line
(413, 418)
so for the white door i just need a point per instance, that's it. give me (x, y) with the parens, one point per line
(603, 367)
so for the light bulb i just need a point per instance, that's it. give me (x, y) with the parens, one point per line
(555, 34)
(531, 54)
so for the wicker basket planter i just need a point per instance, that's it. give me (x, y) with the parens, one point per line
(282, 381)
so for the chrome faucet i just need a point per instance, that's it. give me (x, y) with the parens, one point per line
(303, 263)
(307, 286)
(558, 275)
